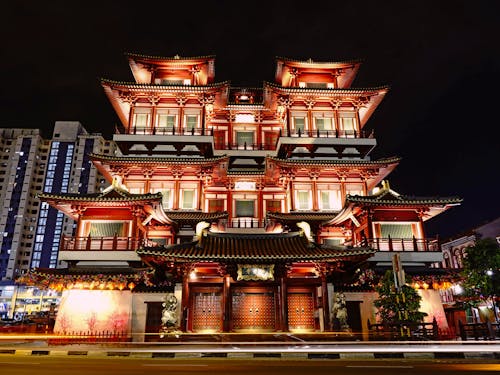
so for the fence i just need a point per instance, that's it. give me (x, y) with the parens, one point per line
(90, 337)
(479, 331)
(404, 331)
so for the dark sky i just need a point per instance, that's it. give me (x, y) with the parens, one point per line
(440, 58)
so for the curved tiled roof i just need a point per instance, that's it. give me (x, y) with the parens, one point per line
(339, 162)
(310, 90)
(145, 160)
(402, 200)
(133, 86)
(174, 58)
(195, 216)
(306, 216)
(229, 247)
(310, 61)
(101, 198)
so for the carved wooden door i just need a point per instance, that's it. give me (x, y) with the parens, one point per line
(301, 311)
(254, 310)
(207, 310)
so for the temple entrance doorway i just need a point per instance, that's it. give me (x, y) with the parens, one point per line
(206, 307)
(253, 309)
(301, 309)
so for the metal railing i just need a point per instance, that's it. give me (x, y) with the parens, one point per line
(244, 222)
(401, 244)
(169, 131)
(327, 133)
(113, 243)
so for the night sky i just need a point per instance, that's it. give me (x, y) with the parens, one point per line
(441, 60)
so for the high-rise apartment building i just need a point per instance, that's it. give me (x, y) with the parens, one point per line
(29, 165)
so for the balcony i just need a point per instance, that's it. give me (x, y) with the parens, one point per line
(329, 143)
(328, 134)
(412, 250)
(166, 141)
(101, 248)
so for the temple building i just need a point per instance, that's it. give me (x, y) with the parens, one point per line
(236, 209)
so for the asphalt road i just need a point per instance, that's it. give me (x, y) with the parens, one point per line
(39, 365)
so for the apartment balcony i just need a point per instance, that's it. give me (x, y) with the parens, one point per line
(331, 143)
(101, 248)
(411, 250)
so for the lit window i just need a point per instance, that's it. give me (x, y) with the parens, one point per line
(330, 200)
(141, 119)
(166, 199)
(303, 200)
(188, 197)
(244, 208)
(166, 121)
(299, 123)
(191, 122)
(244, 138)
(323, 123)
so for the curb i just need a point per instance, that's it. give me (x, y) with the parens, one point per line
(252, 355)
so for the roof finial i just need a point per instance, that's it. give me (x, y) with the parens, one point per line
(177, 57)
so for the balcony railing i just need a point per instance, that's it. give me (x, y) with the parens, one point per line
(401, 244)
(328, 133)
(114, 243)
(246, 146)
(244, 222)
(169, 131)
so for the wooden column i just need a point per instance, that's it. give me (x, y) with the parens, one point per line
(315, 193)
(325, 304)
(291, 194)
(200, 195)
(176, 193)
(185, 302)
(284, 303)
(226, 298)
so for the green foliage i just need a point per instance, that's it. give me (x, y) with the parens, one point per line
(392, 306)
(484, 256)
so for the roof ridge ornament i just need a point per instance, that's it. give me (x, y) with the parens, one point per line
(116, 185)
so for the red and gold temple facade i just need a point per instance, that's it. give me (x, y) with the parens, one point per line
(252, 206)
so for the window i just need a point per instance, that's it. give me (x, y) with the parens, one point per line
(172, 82)
(106, 229)
(244, 208)
(354, 189)
(191, 122)
(323, 123)
(188, 199)
(166, 199)
(244, 138)
(330, 200)
(299, 123)
(166, 121)
(348, 123)
(303, 200)
(316, 85)
(215, 205)
(141, 120)
(396, 230)
(273, 206)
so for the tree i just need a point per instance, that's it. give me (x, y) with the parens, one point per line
(396, 306)
(481, 271)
